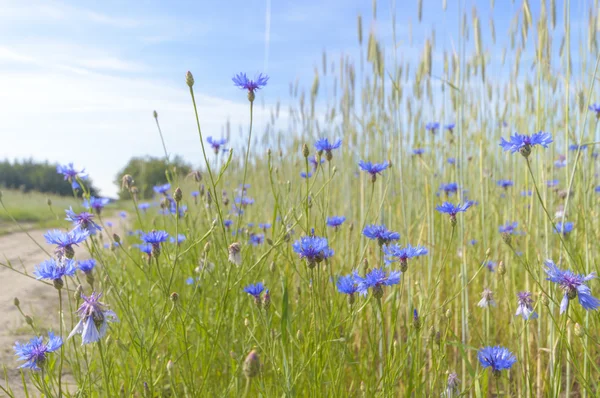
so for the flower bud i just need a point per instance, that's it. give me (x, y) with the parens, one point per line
(174, 297)
(299, 336)
(16, 302)
(169, 366)
(266, 300)
(448, 313)
(579, 331)
(77, 294)
(501, 269)
(246, 322)
(251, 365)
(177, 195)
(305, 151)
(189, 79)
(49, 202)
(155, 114)
(28, 320)
(126, 182)
(272, 266)
(116, 238)
(506, 238)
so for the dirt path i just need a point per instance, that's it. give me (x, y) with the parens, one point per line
(38, 300)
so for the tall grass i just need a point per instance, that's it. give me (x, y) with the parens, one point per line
(207, 337)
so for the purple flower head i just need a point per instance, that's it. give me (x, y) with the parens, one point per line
(380, 233)
(216, 143)
(323, 145)
(244, 201)
(498, 358)
(432, 126)
(264, 226)
(86, 266)
(418, 151)
(180, 239)
(452, 209)
(96, 204)
(83, 221)
(375, 280)
(256, 239)
(255, 291)
(451, 161)
(242, 81)
(395, 253)
(473, 242)
(452, 385)
(144, 206)
(450, 127)
(524, 143)
(595, 108)
(487, 299)
(145, 248)
(573, 286)
(509, 228)
(155, 237)
(195, 194)
(162, 189)
(71, 174)
(505, 183)
(552, 183)
(227, 223)
(564, 229)
(35, 352)
(314, 162)
(373, 168)
(304, 175)
(335, 221)
(574, 147)
(347, 285)
(450, 188)
(94, 318)
(65, 241)
(491, 266)
(525, 306)
(313, 249)
(561, 162)
(55, 269)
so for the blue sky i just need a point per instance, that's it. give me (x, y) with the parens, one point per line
(80, 79)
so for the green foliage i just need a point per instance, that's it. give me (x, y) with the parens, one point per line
(149, 171)
(30, 175)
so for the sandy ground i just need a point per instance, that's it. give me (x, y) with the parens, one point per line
(38, 300)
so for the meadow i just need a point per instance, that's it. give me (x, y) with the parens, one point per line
(412, 235)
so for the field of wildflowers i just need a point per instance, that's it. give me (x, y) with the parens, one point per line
(379, 254)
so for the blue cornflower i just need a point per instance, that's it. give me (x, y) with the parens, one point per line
(216, 143)
(180, 239)
(498, 358)
(347, 285)
(155, 238)
(453, 210)
(473, 242)
(35, 352)
(595, 108)
(264, 226)
(304, 175)
(227, 223)
(123, 214)
(573, 286)
(373, 168)
(313, 249)
(450, 127)
(525, 308)
(144, 206)
(190, 281)
(242, 81)
(418, 151)
(509, 228)
(561, 162)
(524, 143)
(195, 194)
(162, 189)
(552, 183)
(376, 279)
(451, 161)
(145, 248)
(335, 221)
(83, 221)
(55, 270)
(574, 147)
(380, 233)
(526, 193)
(487, 299)
(255, 291)
(71, 174)
(64, 241)
(395, 253)
(96, 204)
(505, 183)
(94, 319)
(491, 266)
(314, 162)
(256, 239)
(86, 266)
(244, 201)
(597, 189)
(323, 145)
(564, 229)
(432, 126)
(450, 188)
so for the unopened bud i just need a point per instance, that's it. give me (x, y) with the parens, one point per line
(506, 238)
(579, 331)
(116, 238)
(155, 114)
(272, 266)
(77, 294)
(488, 252)
(246, 322)
(174, 297)
(501, 269)
(178, 195)
(169, 366)
(448, 313)
(28, 320)
(16, 302)
(305, 151)
(299, 336)
(266, 300)
(49, 202)
(189, 79)
(251, 365)
(207, 248)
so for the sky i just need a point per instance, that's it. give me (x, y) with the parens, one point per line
(80, 79)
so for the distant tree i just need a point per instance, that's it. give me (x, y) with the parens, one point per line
(29, 175)
(150, 171)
